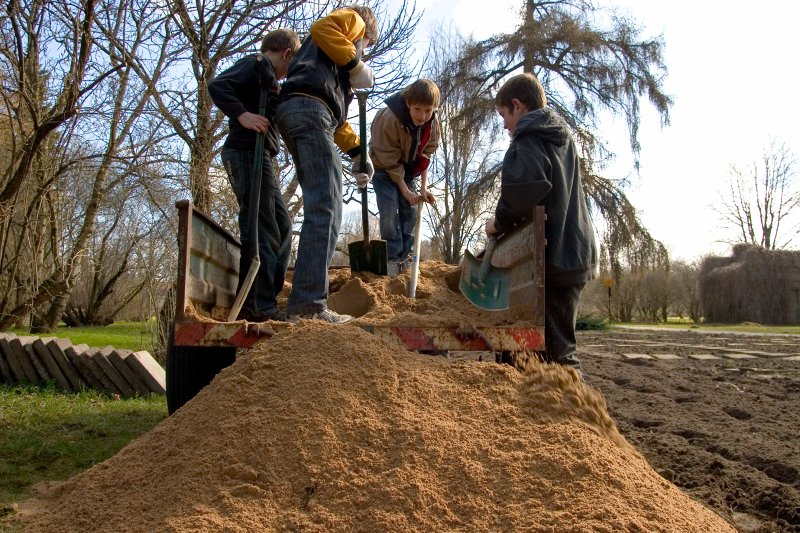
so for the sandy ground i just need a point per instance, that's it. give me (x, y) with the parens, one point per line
(326, 428)
(725, 430)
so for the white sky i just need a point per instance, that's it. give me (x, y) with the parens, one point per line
(732, 75)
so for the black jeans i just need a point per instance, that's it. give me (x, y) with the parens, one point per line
(560, 312)
(274, 229)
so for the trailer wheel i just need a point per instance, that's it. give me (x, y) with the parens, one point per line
(190, 368)
(504, 358)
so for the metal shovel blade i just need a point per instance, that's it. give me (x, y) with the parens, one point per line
(244, 290)
(370, 256)
(483, 285)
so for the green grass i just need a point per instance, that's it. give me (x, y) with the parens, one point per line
(590, 322)
(47, 434)
(124, 335)
(746, 327)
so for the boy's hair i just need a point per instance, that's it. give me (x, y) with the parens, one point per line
(524, 87)
(422, 92)
(371, 22)
(279, 40)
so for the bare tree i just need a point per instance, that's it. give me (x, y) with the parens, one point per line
(625, 298)
(656, 295)
(584, 67)
(184, 45)
(45, 52)
(101, 139)
(687, 291)
(464, 173)
(762, 199)
(113, 272)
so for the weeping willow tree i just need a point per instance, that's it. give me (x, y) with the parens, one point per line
(590, 60)
(465, 172)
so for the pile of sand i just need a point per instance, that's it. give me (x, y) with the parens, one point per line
(326, 428)
(382, 300)
(379, 300)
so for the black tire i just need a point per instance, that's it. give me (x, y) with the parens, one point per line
(504, 358)
(190, 368)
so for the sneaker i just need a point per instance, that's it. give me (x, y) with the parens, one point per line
(392, 268)
(251, 316)
(327, 315)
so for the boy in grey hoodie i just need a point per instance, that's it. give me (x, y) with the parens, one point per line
(541, 167)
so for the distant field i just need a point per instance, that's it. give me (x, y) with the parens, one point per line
(740, 328)
(128, 335)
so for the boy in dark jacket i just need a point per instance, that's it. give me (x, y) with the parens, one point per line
(541, 167)
(312, 118)
(404, 136)
(237, 91)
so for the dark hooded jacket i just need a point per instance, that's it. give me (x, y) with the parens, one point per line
(238, 89)
(313, 73)
(541, 167)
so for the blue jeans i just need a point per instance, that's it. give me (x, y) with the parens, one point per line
(397, 216)
(307, 127)
(274, 229)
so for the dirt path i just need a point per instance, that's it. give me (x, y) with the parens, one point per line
(717, 414)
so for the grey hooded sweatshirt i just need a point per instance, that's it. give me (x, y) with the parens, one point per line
(541, 168)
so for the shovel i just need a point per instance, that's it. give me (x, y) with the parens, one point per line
(412, 282)
(482, 284)
(366, 255)
(255, 201)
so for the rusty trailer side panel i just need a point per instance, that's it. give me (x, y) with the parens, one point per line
(522, 251)
(461, 339)
(208, 263)
(208, 277)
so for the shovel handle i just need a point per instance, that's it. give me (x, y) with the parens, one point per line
(365, 215)
(362, 128)
(258, 162)
(486, 265)
(362, 119)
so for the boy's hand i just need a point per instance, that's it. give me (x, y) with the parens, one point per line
(254, 122)
(410, 196)
(362, 177)
(490, 229)
(427, 196)
(362, 77)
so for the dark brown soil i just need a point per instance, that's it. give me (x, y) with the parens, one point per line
(725, 430)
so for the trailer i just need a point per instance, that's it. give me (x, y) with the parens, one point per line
(199, 346)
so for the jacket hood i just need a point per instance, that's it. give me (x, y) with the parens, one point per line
(397, 104)
(545, 124)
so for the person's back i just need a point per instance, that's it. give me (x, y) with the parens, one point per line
(542, 167)
(237, 92)
(543, 146)
(329, 66)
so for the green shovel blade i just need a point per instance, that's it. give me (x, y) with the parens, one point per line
(488, 287)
